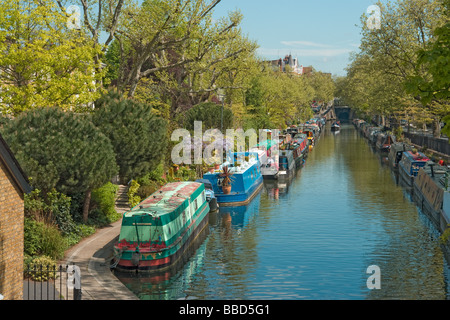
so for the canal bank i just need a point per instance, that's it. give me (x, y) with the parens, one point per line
(93, 256)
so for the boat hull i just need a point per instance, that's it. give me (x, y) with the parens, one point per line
(132, 261)
(240, 199)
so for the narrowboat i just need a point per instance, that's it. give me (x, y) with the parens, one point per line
(246, 179)
(409, 166)
(302, 140)
(155, 233)
(287, 164)
(310, 135)
(299, 148)
(372, 134)
(430, 188)
(396, 153)
(268, 158)
(292, 130)
(335, 127)
(384, 142)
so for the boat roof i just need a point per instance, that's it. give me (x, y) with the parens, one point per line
(168, 198)
(266, 143)
(419, 156)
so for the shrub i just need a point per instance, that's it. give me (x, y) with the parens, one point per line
(104, 198)
(60, 205)
(44, 268)
(43, 239)
(133, 199)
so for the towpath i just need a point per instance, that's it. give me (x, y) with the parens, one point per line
(92, 255)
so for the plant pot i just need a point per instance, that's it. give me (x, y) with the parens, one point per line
(226, 189)
(217, 166)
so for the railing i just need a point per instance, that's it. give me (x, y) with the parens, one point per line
(437, 144)
(51, 283)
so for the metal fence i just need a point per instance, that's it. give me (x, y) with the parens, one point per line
(51, 283)
(437, 144)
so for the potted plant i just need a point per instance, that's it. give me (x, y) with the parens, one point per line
(226, 182)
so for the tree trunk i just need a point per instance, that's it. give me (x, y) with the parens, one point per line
(86, 205)
(436, 128)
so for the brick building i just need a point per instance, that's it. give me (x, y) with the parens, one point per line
(13, 186)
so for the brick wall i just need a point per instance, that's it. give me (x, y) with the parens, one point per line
(11, 237)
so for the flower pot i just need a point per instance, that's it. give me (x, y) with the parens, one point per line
(226, 189)
(217, 166)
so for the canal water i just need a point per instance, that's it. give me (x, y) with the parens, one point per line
(314, 238)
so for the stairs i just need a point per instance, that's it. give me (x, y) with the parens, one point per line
(122, 205)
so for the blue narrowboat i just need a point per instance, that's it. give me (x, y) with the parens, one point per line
(246, 179)
(409, 166)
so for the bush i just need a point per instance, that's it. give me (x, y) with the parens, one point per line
(133, 199)
(104, 199)
(43, 268)
(60, 205)
(43, 239)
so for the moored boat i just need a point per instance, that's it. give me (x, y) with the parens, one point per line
(299, 148)
(384, 142)
(302, 140)
(409, 166)
(430, 188)
(268, 157)
(155, 233)
(287, 164)
(246, 179)
(396, 153)
(335, 126)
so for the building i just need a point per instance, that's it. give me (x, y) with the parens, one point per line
(13, 186)
(291, 64)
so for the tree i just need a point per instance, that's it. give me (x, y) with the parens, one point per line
(432, 87)
(61, 150)
(388, 58)
(138, 136)
(43, 62)
(210, 114)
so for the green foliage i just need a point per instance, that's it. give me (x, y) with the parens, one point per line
(401, 68)
(54, 208)
(61, 150)
(210, 114)
(104, 199)
(44, 268)
(133, 198)
(446, 129)
(43, 63)
(60, 204)
(138, 136)
(435, 59)
(43, 239)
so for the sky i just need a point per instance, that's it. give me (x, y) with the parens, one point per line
(320, 33)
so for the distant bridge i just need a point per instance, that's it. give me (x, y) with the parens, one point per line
(341, 113)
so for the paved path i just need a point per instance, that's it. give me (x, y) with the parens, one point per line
(92, 256)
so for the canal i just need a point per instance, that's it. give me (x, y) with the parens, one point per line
(314, 237)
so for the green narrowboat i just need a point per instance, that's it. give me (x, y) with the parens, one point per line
(155, 233)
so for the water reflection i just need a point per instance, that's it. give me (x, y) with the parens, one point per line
(315, 236)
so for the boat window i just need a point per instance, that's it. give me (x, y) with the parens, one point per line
(195, 205)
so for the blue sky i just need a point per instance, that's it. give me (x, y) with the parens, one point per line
(320, 33)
